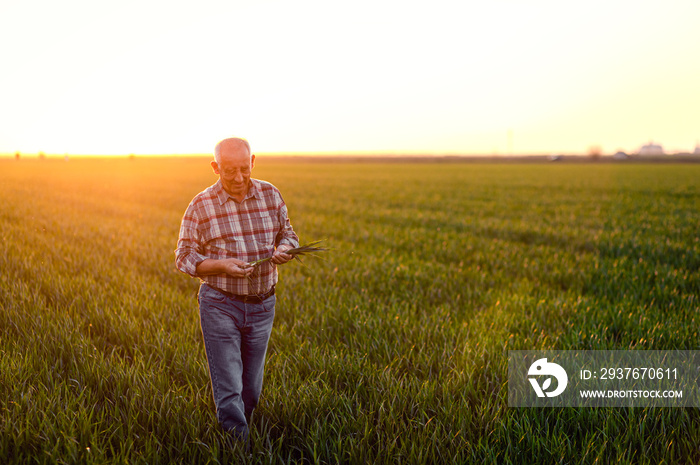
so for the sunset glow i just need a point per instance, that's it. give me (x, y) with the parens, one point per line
(501, 77)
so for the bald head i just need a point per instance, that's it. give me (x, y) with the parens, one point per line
(231, 144)
(233, 162)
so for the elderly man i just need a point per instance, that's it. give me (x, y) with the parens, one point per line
(234, 222)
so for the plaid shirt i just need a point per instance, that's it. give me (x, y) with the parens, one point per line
(216, 226)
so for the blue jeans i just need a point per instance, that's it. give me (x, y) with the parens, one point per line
(235, 339)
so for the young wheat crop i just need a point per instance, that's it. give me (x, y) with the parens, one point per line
(392, 349)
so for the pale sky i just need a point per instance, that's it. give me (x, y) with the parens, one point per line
(403, 77)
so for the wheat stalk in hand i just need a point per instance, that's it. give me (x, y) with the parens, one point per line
(297, 252)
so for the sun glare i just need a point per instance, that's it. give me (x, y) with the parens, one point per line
(380, 77)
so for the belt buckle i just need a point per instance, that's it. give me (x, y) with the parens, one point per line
(257, 298)
(252, 299)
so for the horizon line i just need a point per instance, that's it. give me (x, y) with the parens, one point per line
(340, 155)
(364, 153)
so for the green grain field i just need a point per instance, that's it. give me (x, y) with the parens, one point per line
(392, 348)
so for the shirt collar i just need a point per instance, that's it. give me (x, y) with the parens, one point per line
(223, 196)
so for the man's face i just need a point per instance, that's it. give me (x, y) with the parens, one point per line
(234, 168)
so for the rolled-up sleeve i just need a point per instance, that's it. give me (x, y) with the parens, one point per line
(286, 235)
(189, 250)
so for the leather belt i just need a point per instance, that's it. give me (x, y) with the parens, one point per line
(248, 299)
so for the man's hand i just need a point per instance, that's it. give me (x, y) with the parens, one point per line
(230, 266)
(280, 257)
(236, 268)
